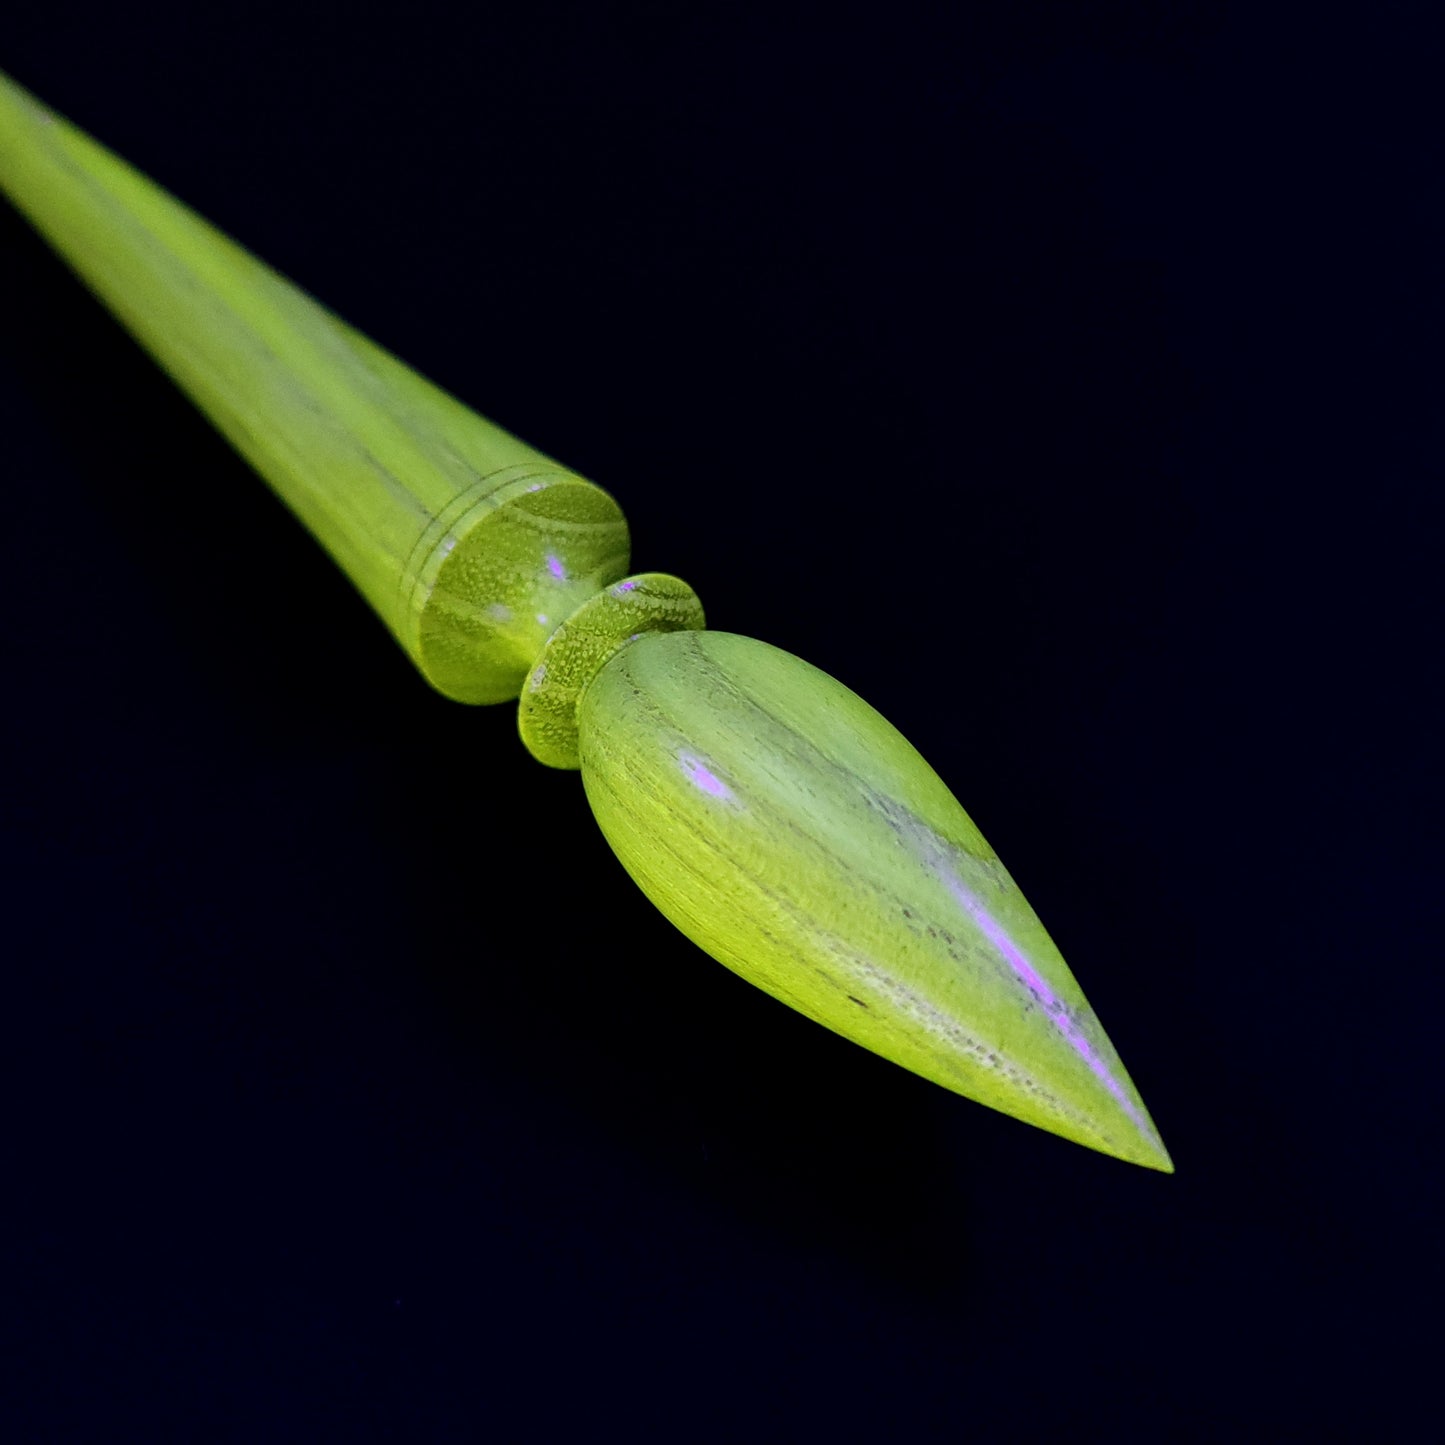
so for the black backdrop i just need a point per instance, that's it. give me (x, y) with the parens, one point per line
(1065, 379)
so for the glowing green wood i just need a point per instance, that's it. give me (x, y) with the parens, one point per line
(797, 836)
(470, 544)
(578, 649)
(769, 812)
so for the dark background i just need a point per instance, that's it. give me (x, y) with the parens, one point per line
(1079, 358)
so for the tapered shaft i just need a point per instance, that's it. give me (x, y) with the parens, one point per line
(387, 471)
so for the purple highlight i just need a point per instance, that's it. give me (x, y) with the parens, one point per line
(703, 777)
(1053, 1005)
(626, 586)
(555, 567)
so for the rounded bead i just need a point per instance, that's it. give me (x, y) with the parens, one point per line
(577, 651)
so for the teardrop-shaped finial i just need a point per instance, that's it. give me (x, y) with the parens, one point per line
(792, 832)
